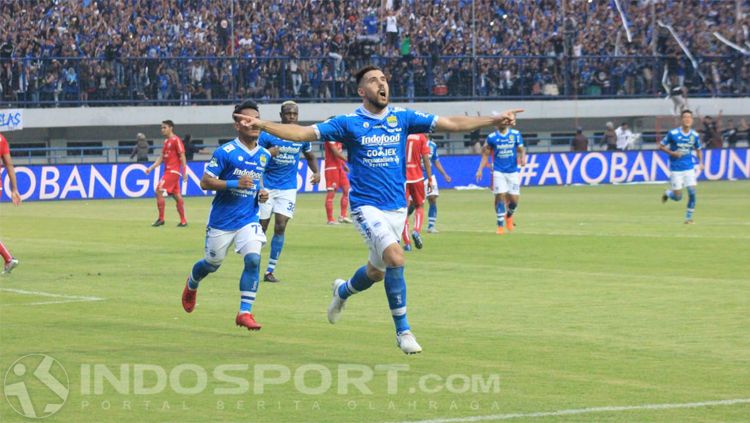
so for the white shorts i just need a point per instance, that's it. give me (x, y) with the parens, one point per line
(506, 183)
(683, 178)
(435, 191)
(248, 239)
(280, 201)
(380, 229)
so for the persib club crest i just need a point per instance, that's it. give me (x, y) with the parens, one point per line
(392, 121)
(263, 160)
(512, 138)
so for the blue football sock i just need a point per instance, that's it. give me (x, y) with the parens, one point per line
(690, 203)
(500, 208)
(277, 243)
(359, 282)
(200, 270)
(395, 289)
(249, 282)
(432, 216)
(512, 208)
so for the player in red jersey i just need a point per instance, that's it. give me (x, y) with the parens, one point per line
(175, 165)
(8, 261)
(417, 154)
(336, 170)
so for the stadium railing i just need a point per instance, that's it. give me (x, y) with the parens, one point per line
(71, 82)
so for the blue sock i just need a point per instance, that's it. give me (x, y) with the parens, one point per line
(500, 208)
(395, 289)
(249, 282)
(277, 243)
(690, 203)
(432, 215)
(200, 270)
(512, 208)
(359, 282)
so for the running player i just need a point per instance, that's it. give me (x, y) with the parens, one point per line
(336, 170)
(432, 195)
(280, 180)
(234, 172)
(375, 137)
(417, 157)
(679, 145)
(9, 262)
(506, 147)
(175, 166)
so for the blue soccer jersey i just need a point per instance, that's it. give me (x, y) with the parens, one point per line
(505, 148)
(377, 156)
(234, 208)
(282, 170)
(433, 157)
(684, 143)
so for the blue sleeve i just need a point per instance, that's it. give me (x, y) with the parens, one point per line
(519, 140)
(216, 164)
(697, 142)
(490, 141)
(333, 129)
(306, 147)
(665, 140)
(435, 155)
(418, 122)
(266, 140)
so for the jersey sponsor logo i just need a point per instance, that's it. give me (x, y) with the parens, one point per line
(392, 121)
(251, 173)
(228, 148)
(380, 139)
(213, 162)
(422, 114)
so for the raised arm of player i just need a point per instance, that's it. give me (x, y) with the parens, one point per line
(286, 131)
(209, 183)
(486, 151)
(14, 195)
(470, 123)
(312, 163)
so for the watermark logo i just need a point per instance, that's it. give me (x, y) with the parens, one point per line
(36, 386)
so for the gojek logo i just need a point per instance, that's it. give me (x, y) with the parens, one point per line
(36, 386)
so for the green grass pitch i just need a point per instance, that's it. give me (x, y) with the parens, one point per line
(600, 298)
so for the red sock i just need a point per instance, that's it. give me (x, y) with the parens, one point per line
(418, 218)
(345, 201)
(5, 253)
(405, 233)
(181, 209)
(160, 205)
(329, 204)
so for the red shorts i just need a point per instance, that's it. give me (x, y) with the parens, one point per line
(336, 178)
(170, 182)
(415, 190)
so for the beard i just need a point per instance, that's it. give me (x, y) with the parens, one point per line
(377, 101)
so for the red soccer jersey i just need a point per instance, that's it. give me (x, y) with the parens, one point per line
(4, 148)
(332, 162)
(170, 154)
(416, 147)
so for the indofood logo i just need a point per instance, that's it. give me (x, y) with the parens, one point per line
(381, 139)
(36, 386)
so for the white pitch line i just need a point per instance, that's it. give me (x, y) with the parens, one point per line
(585, 411)
(65, 298)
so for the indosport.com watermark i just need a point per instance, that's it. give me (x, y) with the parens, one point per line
(37, 385)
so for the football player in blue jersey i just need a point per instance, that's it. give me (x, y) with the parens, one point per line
(433, 194)
(679, 144)
(375, 137)
(508, 154)
(280, 179)
(235, 173)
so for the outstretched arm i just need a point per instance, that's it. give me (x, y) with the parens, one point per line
(285, 131)
(470, 123)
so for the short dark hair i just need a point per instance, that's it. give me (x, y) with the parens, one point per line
(361, 73)
(686, 111)
(247, 104)
(168, 123)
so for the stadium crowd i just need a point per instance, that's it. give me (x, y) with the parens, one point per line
(187, 51)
